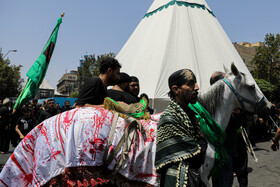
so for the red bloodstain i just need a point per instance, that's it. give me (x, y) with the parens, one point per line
(71, 183)
(3, 183)
(79, 183)
(86, 183)
(67, 119)
(60, 137)
(93, 182)
(150, 137)
(26, 146)
(144, 175)
(55, 154)
(98, 145)
(27, 177)
(101, 181)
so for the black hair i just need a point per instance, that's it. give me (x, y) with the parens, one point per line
(25, 109)
(171, 94)
(109, 62)
(134, 79)
(144, 95)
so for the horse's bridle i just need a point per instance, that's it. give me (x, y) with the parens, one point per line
(242, 99)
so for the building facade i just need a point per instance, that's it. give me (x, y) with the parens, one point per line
(68, 83)
(247, 51)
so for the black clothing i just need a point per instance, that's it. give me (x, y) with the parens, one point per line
(4, 129)
(14, 135)
(26, 125)
(64, 108)
(93, 92)
(235, 122)
(121, 96)
(240, 163)
(45, 114)
(35, 110)
(4, 116)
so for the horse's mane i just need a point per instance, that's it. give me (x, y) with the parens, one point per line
(212, 97)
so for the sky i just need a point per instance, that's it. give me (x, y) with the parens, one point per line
(98, 27)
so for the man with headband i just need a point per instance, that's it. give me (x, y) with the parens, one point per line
(181, 147)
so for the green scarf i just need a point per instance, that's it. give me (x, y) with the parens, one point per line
(214, 134)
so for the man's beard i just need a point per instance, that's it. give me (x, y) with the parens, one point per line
(194, 98)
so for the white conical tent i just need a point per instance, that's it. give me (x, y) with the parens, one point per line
(175, 35)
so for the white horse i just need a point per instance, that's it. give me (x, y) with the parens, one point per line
(234, 91)
(75, 142)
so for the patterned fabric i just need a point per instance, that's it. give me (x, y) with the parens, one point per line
(177, 138)
(75, 141)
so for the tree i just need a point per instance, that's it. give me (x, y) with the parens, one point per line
(267, 88)
(90, 68)
(267, 63)
(74, 95)
(10, 79)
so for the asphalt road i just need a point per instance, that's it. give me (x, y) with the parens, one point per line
(265, 173)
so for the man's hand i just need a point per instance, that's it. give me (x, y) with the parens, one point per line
(274, 145)
(21, 137)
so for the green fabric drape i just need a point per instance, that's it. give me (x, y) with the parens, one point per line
(213, 132)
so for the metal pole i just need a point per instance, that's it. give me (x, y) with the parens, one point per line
(13, 50)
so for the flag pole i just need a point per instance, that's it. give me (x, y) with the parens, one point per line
(14, 110)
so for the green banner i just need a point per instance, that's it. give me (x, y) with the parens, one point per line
(37, 72)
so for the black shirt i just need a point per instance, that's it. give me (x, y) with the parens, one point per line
(45, 114)
(93, 92)
(121, 96)
(26, 125)
(4, 116)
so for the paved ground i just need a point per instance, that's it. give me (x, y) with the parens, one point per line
(266, 173)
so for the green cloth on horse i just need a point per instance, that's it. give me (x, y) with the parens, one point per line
(178, 134)
(136, 110)
(213, 132)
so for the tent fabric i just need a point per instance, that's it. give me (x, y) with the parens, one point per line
(174, 38)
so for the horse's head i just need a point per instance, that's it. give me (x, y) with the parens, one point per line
(248, 95)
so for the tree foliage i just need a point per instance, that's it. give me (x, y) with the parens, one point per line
(267, 63)
(267, 88)
(10, 79)
(74, 95)
(90, 68)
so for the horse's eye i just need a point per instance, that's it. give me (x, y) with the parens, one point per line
(252, 86)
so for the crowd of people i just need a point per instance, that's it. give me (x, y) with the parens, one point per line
(14, 126)
(178, 129)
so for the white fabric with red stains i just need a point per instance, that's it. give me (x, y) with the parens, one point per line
(78, 138)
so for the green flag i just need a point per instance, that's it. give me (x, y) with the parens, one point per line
(38, 70)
